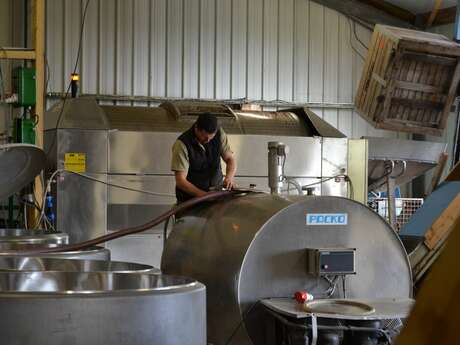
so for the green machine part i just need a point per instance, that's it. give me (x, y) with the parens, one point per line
(24, 131)
(24, 86)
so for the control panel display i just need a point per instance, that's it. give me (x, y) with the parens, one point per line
(331, 261)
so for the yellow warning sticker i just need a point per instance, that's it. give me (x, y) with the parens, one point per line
(75, 162)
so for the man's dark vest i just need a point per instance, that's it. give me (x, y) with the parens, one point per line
(204, 165)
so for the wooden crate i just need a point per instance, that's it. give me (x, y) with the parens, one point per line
(409, 80)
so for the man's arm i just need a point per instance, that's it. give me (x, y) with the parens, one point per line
(186, 186)
(230, 169)
(230, 162)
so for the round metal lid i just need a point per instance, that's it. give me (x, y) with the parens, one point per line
(19, 164)
(337, 306)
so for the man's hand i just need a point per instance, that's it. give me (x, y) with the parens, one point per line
(229, 183)
(230, 162)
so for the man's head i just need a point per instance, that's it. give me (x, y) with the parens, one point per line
(206, 128)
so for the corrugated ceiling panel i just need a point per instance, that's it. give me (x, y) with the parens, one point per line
(291, 50)
(207, 48)
(54, 44)
(72, 25)
(270, 49)
(331, 64)
(285, 50)
(141, 46)
(345, 92)
(254, 50)
(239, 47)
(223, 48)
(316, 53)
(174, 48)
(106, 61)
(157, 48)
(301, 51)
(191, 48)
(125, 47)
(90, 49)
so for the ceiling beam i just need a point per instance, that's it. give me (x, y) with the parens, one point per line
(443, 17)
(17, 54)
(434, 13)
(392, 10)
(371, 12)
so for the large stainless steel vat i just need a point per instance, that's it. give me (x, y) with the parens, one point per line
(253, 247)
(93, 253)
(33, 263)
(27, 236)
(55, 308)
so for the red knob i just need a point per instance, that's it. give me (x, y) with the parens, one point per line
(301, 296)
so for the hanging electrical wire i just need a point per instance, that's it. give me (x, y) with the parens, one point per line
(132, 230)
(119, 186)
(357, 38)
(332, 285)
(77, 60)
(47, 190)
(352, 32)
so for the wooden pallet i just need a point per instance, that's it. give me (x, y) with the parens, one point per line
(409, 80)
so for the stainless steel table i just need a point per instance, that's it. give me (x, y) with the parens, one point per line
(384, 309)
(381, 309)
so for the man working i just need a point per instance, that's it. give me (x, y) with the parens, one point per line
(196, 159)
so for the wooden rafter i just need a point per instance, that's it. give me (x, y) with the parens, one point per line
(434, 13)
(38, 44)
(392, 10)
(444, 16)
(15, 54)
(371, 12)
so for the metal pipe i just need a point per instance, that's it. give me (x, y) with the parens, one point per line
(165, 230)
(276, 160)
(132, 230)
(296, 184)
(391, 201)
(153, 99)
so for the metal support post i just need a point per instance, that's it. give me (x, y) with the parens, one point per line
(391, 201)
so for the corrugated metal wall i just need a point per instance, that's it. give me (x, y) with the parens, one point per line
(289, 50)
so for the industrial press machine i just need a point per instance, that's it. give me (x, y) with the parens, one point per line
(131, 147)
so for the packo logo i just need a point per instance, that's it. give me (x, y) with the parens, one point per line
(327, 218)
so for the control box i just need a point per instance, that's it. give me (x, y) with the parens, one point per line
(331, 261)
(24, 86)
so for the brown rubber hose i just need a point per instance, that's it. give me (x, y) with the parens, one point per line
(128, 231)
